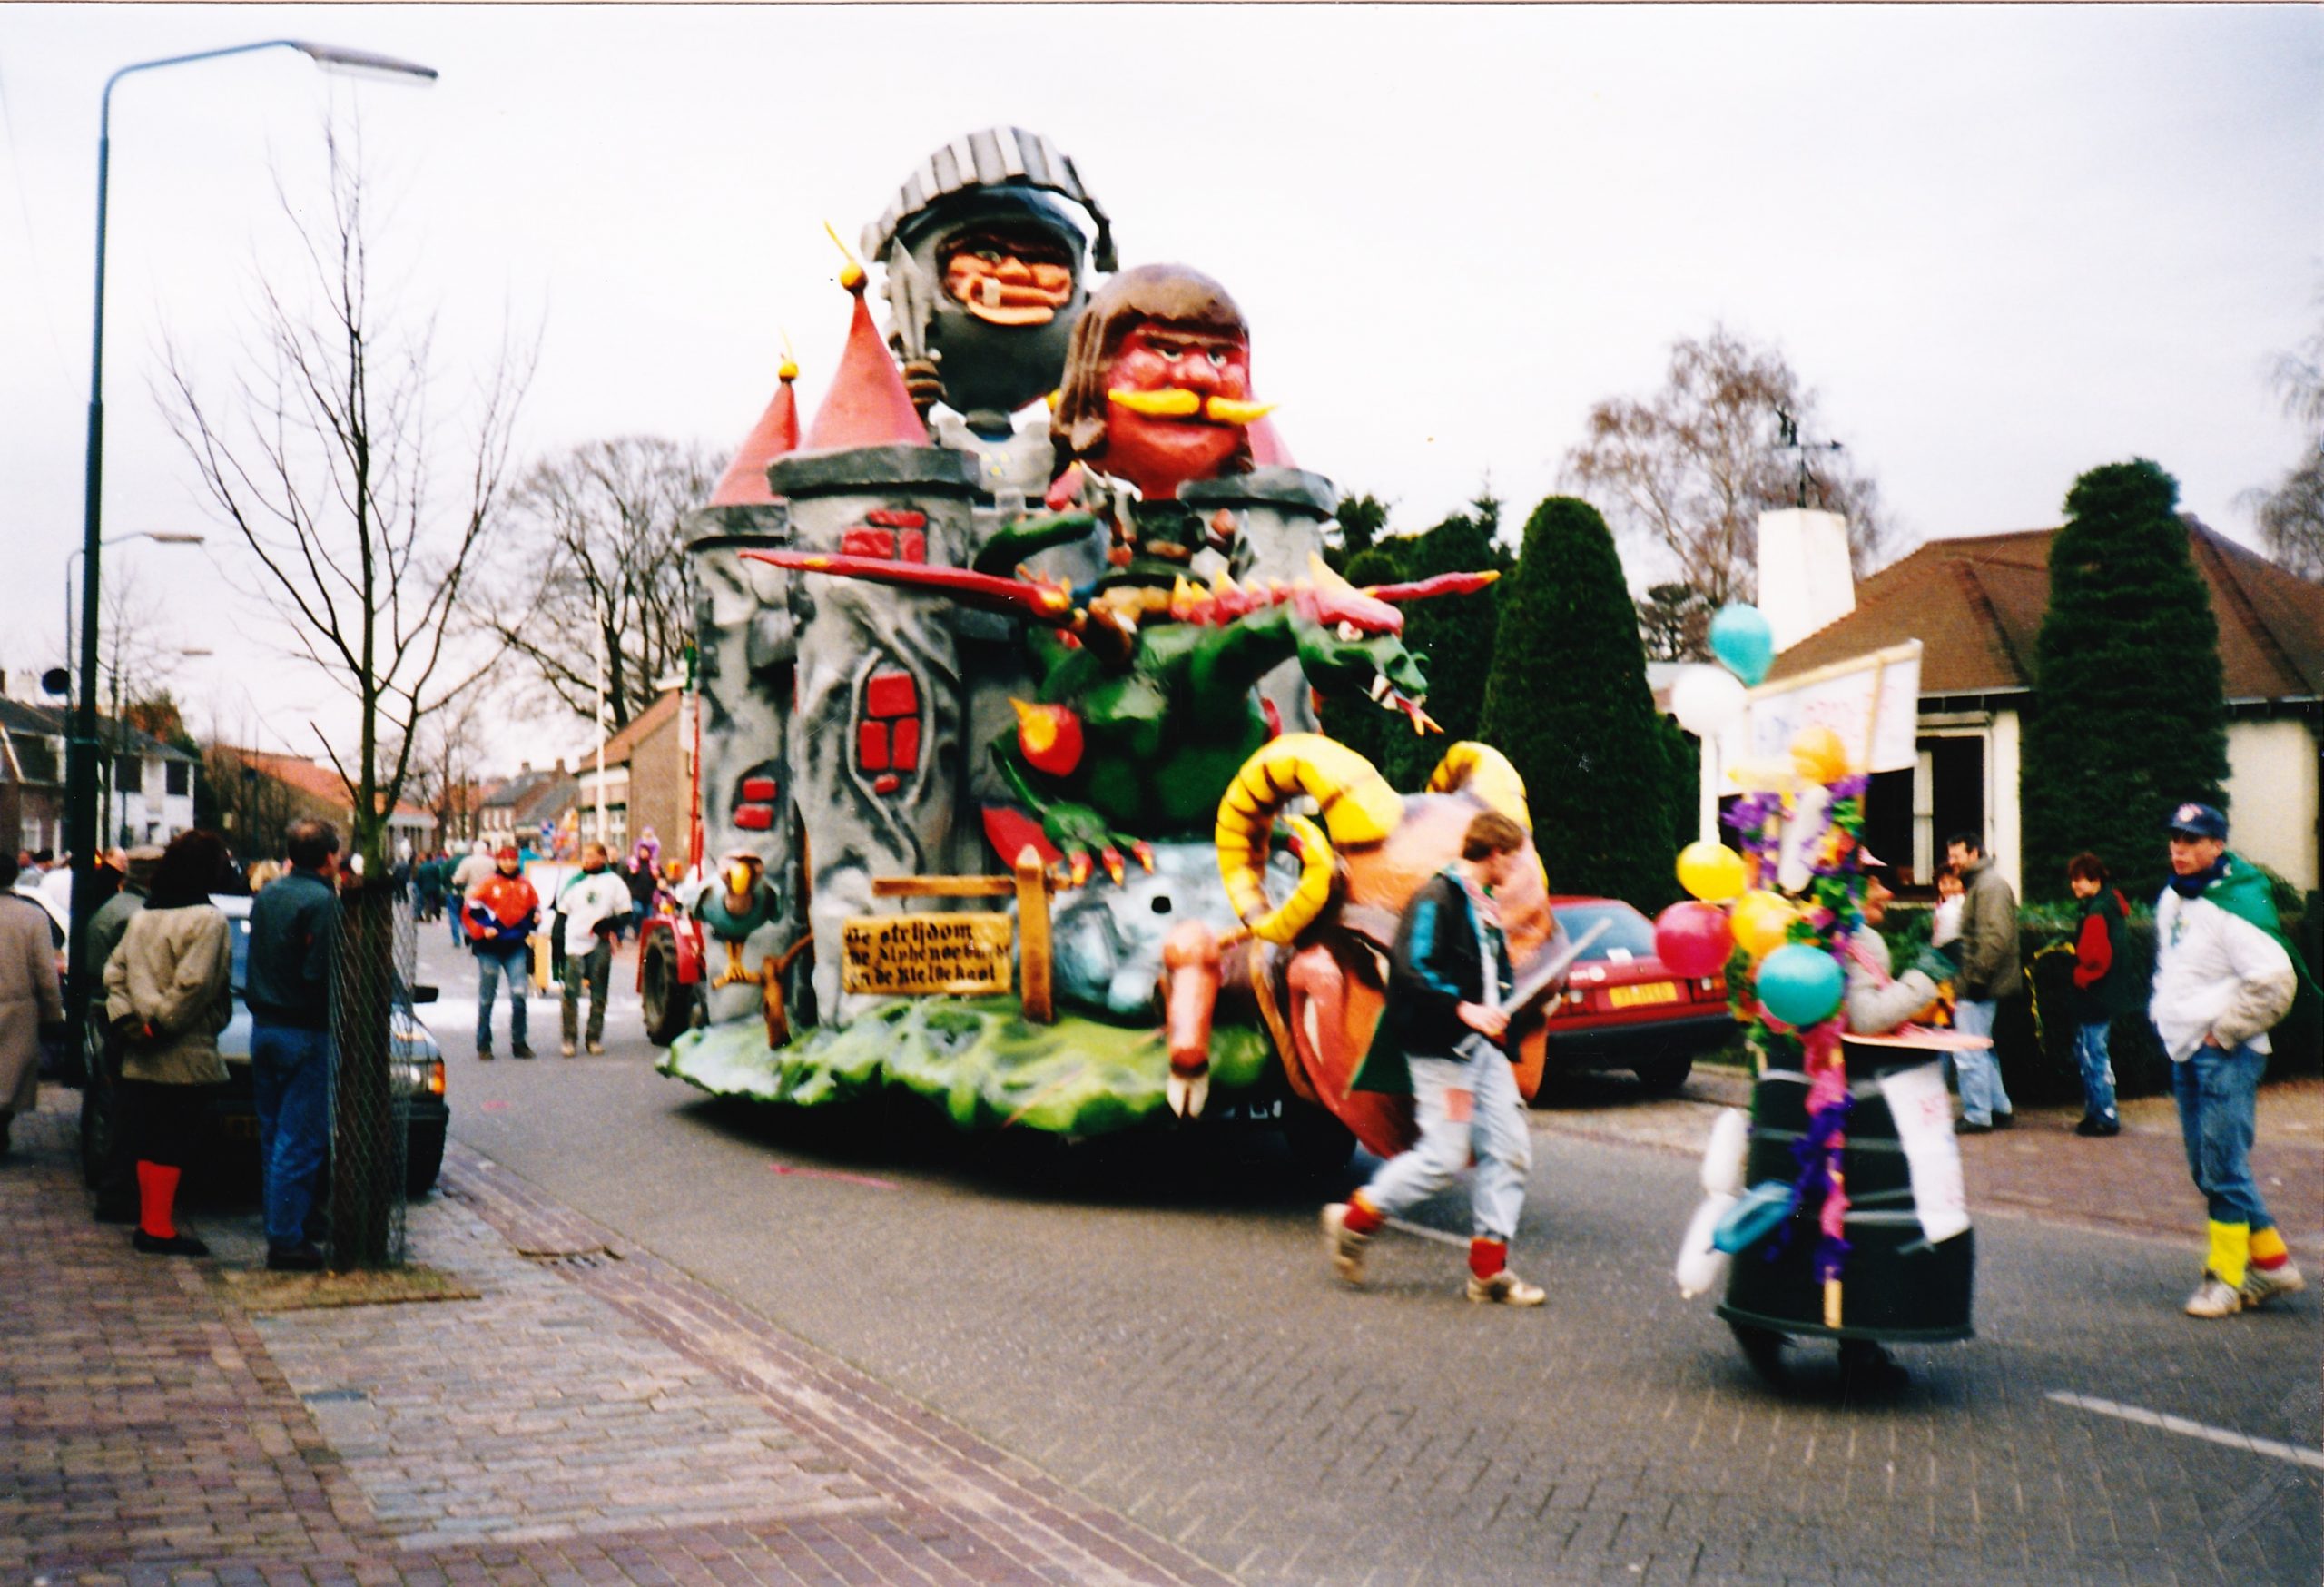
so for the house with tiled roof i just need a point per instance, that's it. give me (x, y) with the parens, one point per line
(145, 787)
(260, 795)
(520, 808)
(644, 779)
(1977, 605)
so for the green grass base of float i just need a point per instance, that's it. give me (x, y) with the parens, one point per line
(978, 1059)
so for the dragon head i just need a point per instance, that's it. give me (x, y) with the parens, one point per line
(1351, 642)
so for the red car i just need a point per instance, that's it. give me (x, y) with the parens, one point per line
(1624, 1010)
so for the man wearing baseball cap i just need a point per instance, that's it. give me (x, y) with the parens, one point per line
(2222, 978)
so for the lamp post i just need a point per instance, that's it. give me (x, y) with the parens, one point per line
(81, 747)
(159, 536)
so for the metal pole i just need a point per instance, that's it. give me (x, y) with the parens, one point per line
(601, 733)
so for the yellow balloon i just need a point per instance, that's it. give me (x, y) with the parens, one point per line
(1711, 872)
(1818, 756)
(1761, 920)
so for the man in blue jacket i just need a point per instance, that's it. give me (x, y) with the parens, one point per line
(288, 988)
(1440, 1038)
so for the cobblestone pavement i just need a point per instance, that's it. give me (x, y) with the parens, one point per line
(1151, 1318)
(631, 1426)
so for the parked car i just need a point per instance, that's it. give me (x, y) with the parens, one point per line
(1624, 1009)
(416, 1074)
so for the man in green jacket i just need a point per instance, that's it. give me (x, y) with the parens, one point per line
(1988, 974)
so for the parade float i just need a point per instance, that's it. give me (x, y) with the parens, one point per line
(1009, 790)
(1835, 1209)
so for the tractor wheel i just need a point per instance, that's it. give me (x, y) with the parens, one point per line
(668, 1001)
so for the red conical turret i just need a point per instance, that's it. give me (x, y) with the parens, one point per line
(867, 405)
(744, 482)
(1267, 450)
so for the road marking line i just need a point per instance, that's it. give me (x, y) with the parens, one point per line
(2311, 1458)
(1425, 1232)
(831, 1174)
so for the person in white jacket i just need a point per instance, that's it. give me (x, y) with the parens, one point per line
(593, 905)
(2221, 981)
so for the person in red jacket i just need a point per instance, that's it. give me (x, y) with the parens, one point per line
(2097, 951)
(500, 914)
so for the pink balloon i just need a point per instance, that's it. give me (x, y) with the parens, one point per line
(1693, 938)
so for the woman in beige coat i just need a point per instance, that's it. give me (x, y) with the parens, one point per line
(168, 993)
(28, 997)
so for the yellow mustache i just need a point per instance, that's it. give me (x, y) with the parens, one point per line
(1179, 403)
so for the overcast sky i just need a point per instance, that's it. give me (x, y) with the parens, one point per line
(2005, 245)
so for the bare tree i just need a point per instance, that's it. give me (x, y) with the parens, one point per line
(2290, 514)
(593, 565)
(362, 505)
(1689, 469)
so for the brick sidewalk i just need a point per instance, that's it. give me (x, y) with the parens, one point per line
(597, 1416)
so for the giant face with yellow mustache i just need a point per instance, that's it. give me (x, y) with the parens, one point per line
(1157, 385)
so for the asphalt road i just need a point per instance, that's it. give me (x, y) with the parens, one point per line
(1151, 1322)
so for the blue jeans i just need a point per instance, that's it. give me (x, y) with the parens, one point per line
(490, 970)
(2219, 1098)
(290, 1084)
(2097, 1068)
(1978, 1072)
(1494, 1129)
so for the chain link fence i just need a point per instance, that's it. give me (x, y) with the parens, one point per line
(372, 971)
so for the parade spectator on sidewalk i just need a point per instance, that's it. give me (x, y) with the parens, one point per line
(168, 993)
(475, 868)
(594, 906)
(644, 883)
(293, 923)
(2222, 980)
(30, 999)
(1440, 1038)
(116, 1186)
(2097, 988)
(1989, 974)
(502, 911)
(1945, 920)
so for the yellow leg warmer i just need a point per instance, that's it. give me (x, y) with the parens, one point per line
(2231, 1252)
(2268, 1248)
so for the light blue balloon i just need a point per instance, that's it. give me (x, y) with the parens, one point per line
(1741, 637)
(1800, 985)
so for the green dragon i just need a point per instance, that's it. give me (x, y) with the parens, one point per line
(1147, 702)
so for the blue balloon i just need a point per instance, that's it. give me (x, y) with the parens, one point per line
(1741, 637)
(1800, 985)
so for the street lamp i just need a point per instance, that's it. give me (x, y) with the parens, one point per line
(159, 536)
(81, 748)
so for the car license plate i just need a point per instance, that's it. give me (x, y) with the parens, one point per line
(1648, 992)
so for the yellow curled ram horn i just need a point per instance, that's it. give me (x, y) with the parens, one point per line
(1355, 802)
(1227, 410)
(1483, 770)
(1175, 403)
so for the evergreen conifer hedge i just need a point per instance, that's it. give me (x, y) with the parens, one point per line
(2128, 716)
(1569, 705)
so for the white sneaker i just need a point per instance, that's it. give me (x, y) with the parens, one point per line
(1343, 1245)
(2214, 1298)
(1506, 1288)
(2260, 1284)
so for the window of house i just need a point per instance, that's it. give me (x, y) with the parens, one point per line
(177, 776)
(129, 774)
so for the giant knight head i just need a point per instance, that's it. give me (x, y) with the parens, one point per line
(984, 258)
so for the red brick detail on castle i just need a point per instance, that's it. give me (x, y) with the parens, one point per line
(886, 783)
(890, 545)
(903, 752)
(890, 517)
(890, 693)
(761, 789)
(871, 745)
(755, 817)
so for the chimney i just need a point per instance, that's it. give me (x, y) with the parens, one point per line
(560, 765)
(524, 768)
(1805, 580)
